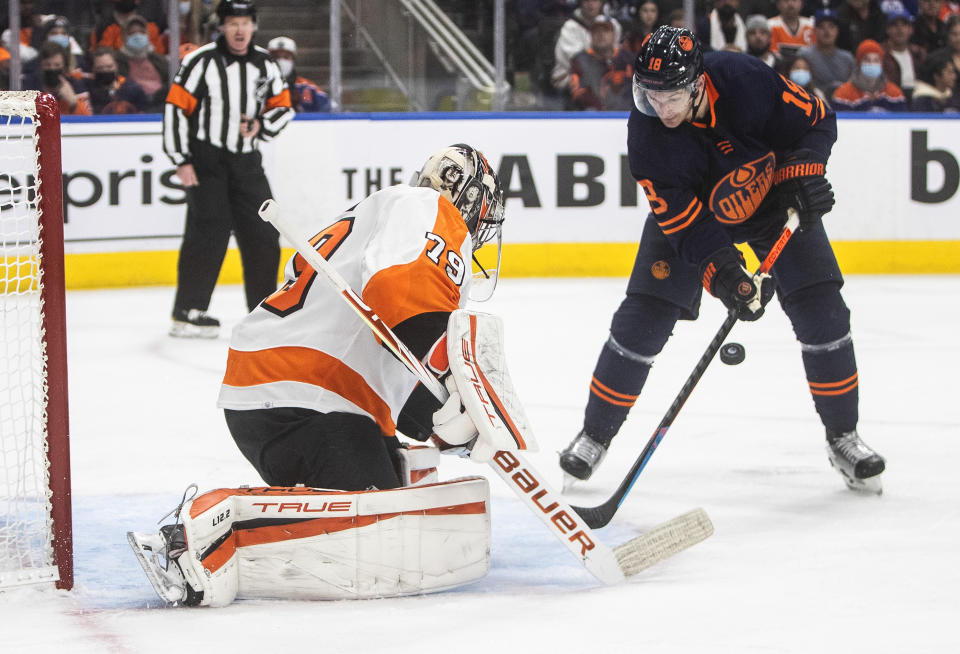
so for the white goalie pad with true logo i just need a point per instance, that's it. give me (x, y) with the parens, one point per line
(479, 368)
(315, 544)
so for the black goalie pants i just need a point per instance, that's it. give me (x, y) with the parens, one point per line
(290, 446)
(230, 191)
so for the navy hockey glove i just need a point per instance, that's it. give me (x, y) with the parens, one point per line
(799, 182)
(726, 279)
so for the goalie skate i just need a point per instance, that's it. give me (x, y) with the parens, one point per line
(856, 462)
(166, 579)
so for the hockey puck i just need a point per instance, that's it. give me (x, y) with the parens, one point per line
(732, 353)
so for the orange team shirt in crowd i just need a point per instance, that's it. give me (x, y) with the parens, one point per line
(406, 251)
(780, 34)
(113, 37)
(82, 108)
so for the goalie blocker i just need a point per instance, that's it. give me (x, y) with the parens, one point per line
(302, 543)
(483, 412)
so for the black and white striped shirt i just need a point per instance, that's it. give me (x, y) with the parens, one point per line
(212, 91)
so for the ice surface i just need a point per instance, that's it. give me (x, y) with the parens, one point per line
(797, 564)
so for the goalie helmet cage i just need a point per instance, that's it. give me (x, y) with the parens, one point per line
(36, 536)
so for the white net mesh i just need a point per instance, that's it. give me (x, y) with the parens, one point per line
(26, 550)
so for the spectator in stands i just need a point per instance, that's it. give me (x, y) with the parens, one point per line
(192, 15)
(799, 73)
(902, 59)
(676, 18)
(29, 58)
(953, 39)
(57, 29)
(637, 20)
(858, 20)
(811, 7)
(601, 76)
(30, 20)
(111, 92)
(758, 41)
(934, 92)
(723, 28)
(575, 37)
(789, 31)
(929, 32)
(4, 69)
(950, 8)
(71, 94)
(829, 65)
(143, 65)
(868, 89)
(111, 32)
(305, 96)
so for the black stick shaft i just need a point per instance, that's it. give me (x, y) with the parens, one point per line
(599, 516)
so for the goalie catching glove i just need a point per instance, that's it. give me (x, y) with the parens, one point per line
(800, 183)
(726, 279)
(451, 422)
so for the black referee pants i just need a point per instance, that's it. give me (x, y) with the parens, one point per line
(231, 189)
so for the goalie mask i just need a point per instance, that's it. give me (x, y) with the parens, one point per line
(463, 175)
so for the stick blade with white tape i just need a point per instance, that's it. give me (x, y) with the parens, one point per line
(663, 541)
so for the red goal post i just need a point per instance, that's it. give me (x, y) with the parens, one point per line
(36, 534)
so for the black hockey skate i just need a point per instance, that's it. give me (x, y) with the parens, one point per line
(581, 457)
(859, 465)
(194, 323)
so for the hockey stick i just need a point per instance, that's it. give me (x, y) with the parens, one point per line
(529, 485)
(599, 516)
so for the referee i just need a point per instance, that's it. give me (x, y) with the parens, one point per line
(227, 97)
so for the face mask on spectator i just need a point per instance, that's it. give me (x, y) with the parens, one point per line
(60, 39)
(800, 76)
(871, 71)
(286, 66)
(51, 77)
(137, 42)
(185, 8)
(104, 78)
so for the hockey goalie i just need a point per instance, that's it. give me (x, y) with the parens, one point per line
(314, 402)
(308, 543)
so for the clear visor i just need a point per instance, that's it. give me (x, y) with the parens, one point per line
(486, 269)
(663, 104)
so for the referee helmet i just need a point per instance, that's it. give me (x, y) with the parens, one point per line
(236, 8)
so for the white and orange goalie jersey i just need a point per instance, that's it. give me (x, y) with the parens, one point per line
(406, 251)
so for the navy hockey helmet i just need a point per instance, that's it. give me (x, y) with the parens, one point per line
(236, 8)
(670, 59)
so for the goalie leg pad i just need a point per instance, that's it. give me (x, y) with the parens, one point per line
(479, 369)
(301, 543)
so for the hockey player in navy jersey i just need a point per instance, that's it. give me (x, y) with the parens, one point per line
(722, 145)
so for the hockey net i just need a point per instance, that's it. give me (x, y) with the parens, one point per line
(35, 517)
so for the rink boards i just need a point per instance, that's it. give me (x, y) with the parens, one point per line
(572, 207)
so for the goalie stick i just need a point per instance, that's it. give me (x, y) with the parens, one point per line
(598, 516)
(528, 484)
